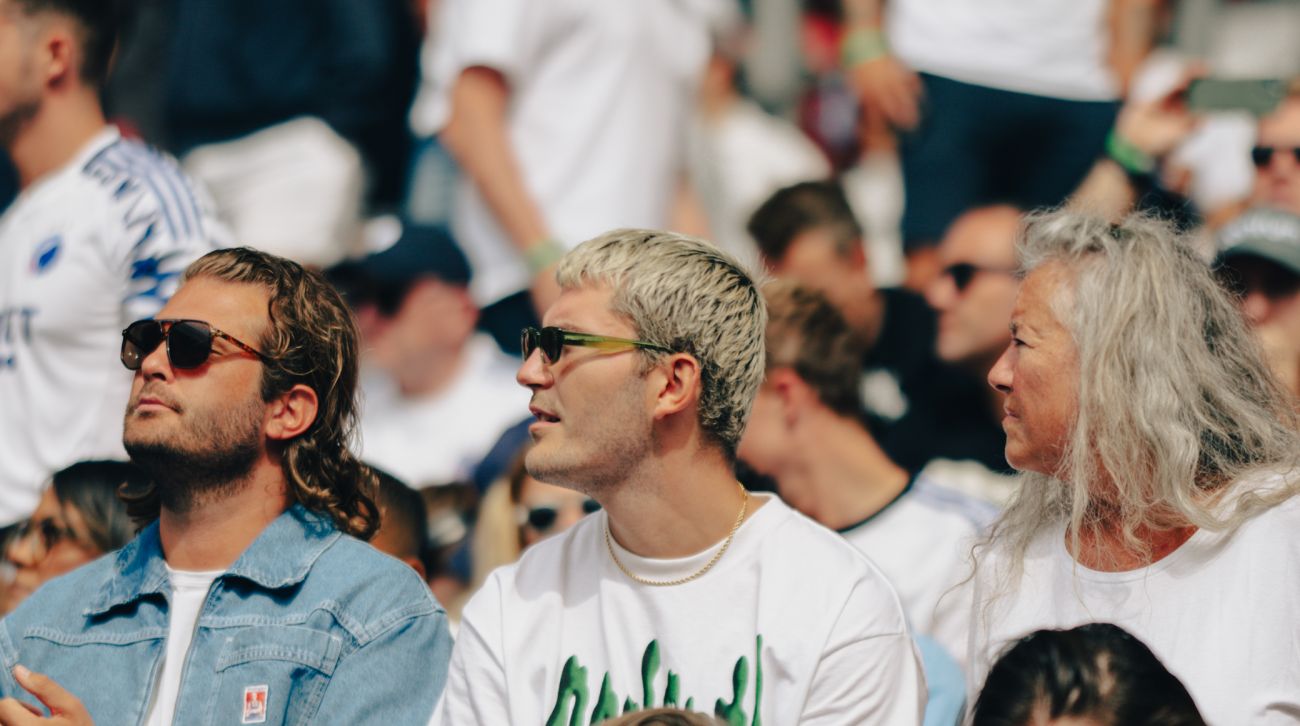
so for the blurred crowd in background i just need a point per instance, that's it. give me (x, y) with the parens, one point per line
(436, 157)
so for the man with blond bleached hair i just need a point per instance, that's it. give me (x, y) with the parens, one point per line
(680, 590)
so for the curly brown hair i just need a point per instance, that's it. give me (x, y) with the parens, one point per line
(312, 340)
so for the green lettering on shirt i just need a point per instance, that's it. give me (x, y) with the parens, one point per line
(573, 693)
(573, 685)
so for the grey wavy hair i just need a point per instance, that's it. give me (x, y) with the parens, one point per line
(687, 295)
(1176, 402)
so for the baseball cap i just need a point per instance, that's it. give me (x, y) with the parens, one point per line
(1271, 234)
(420, 251)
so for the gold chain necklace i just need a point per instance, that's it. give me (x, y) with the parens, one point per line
(609, 544)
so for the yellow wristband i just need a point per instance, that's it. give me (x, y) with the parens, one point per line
(543, 254)
(861, 45)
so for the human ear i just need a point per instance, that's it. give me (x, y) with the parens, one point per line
(292, 413)
(791, 391)
(679, 377)
(58, 54)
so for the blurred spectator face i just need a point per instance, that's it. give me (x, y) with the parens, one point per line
(767, 446)
(976, 290)
(53, 541)
(1277, 171)
(1270, 292)
(764, 439)
(547, 510)
(816, 261)
(433, 320)
(1039, 373)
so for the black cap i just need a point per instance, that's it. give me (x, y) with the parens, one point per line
(421, 251)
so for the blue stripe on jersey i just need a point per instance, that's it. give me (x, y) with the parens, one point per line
(150, 270)
(102, 159)
(152, 175)
(147, 160)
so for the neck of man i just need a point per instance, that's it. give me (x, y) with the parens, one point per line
(842, 474)
(53, 137)
(214, 532)
(678, 502)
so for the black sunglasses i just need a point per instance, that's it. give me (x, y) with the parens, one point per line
(189, 342)
(543, 517)
(963, 272)
(1263, 155)
(553, 340)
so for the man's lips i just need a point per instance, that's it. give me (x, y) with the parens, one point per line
(542, 415)
(152, 402)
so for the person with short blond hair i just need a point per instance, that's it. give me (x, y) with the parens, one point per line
(684, 589)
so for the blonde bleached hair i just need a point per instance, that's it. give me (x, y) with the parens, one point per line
(687, 295)
(1176, 403)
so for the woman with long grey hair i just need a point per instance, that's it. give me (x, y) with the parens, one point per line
(1161, 464)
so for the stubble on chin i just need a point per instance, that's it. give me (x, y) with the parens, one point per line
(194, 465)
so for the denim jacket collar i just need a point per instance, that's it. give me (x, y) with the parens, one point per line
(281, 556)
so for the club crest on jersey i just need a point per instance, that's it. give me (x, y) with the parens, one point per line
(254, 704)
(46, 254)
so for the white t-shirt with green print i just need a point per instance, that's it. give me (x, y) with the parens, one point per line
(793, 625)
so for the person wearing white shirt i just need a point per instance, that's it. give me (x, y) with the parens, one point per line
(1161, 469)
(807, 433)
(568, 118)
(437, 394)
(97, 238)
(685, 590)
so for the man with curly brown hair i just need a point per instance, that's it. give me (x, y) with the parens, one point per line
(250, 598)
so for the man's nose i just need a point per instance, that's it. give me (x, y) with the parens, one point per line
(534, 372)
(156, 363)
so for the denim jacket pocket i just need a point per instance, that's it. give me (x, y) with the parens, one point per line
(272, 674)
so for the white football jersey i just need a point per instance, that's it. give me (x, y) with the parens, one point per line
(84, 251)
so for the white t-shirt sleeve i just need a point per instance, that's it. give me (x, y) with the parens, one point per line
(865, 676)
(476, 691)
(484, 33)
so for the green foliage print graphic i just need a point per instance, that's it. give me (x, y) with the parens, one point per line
(573, 687)
(573, 693)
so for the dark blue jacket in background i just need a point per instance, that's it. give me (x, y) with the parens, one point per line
(238, 66)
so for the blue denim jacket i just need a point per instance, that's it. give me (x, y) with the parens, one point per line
(336, 632)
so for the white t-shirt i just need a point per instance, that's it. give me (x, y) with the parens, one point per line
(1051, 48)
(189, 592)
(1221, 612)
(600, 96)
(438, 439)
(84, 251)
(792, 624)
(922, 543)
